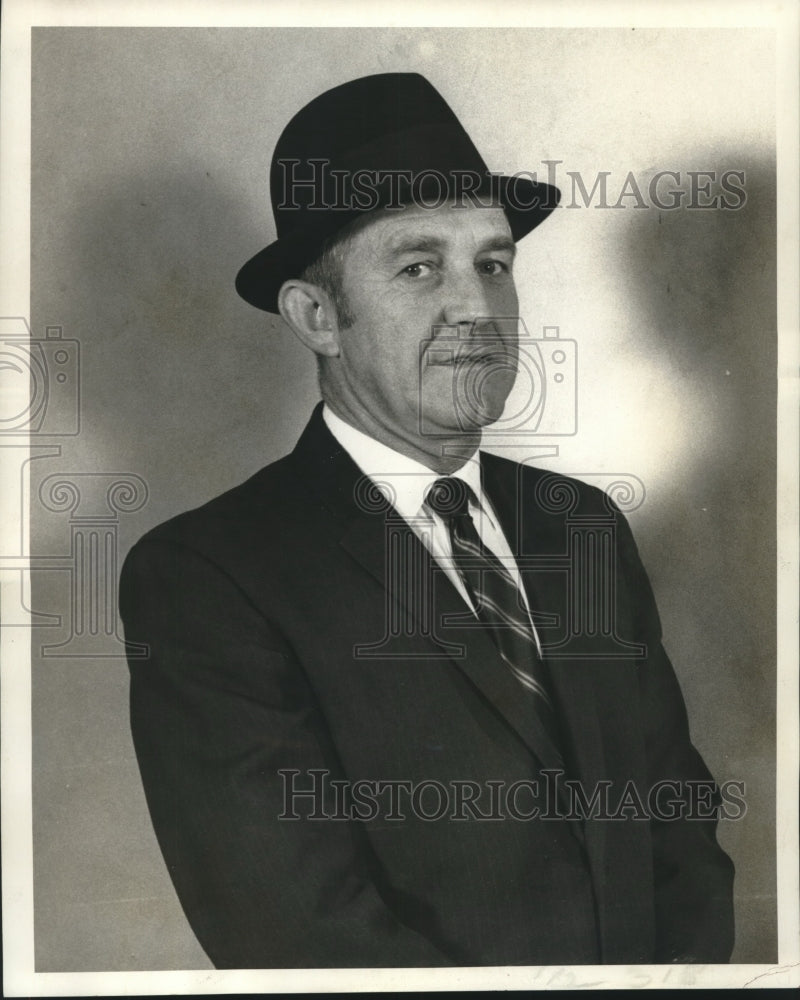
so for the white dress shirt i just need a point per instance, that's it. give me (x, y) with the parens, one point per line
(405, 483)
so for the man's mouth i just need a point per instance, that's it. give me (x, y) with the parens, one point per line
(473, 356)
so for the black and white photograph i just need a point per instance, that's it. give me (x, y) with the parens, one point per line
(399, 541)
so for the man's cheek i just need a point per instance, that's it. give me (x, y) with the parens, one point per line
(504, 301)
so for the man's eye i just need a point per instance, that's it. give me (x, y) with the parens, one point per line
(492, 267)
(417, 270)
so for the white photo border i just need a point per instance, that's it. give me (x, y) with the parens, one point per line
(18, 948)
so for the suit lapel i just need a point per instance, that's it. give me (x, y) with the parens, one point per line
(421, 604)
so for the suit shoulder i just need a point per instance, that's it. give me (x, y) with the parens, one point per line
(555, 491)
(267, 494)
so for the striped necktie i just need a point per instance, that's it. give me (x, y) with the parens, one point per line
(495, 597)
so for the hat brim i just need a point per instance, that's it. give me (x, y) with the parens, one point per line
(526, 203)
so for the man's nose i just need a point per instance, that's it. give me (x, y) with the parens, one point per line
(465, 299)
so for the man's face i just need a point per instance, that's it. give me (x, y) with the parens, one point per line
(433, 346)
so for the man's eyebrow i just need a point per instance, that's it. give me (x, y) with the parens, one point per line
(432, 244)
(415, 244)
(500, 243)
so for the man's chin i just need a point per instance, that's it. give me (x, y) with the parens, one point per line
(470, 422)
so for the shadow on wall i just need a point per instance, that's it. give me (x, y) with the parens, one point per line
(183, 381)
(186, 386)
(707, 281)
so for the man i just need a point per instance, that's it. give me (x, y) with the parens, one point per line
(369, 731)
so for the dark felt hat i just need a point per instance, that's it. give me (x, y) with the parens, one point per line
(376, 142)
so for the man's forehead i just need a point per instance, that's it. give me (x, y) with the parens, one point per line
(394, 229)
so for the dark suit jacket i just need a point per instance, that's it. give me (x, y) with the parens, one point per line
(285, 635)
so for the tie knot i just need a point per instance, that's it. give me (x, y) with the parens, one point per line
(449, 497)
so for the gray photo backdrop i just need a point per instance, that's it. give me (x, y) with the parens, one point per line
(150, 156)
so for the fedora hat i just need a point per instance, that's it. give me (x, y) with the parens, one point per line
(373, 143)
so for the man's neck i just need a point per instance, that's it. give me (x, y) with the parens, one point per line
(443, 455)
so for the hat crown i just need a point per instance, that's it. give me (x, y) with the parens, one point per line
(388, 124)
(360, 111)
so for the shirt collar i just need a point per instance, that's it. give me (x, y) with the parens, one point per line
(403, 480)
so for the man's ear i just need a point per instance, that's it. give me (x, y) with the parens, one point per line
(309, 312)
